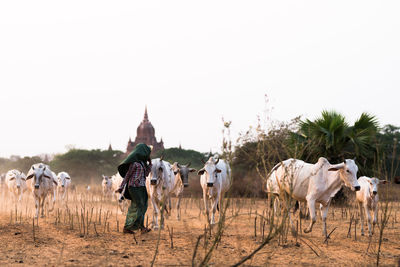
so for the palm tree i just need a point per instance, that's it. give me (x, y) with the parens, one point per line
(332, 137)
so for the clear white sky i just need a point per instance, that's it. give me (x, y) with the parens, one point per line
(80, 72)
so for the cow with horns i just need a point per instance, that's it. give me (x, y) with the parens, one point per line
(316, 183)
(215, 180)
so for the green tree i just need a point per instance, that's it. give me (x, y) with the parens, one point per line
(183, 156)
(332, 137)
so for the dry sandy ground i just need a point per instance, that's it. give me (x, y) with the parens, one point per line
(56, 244)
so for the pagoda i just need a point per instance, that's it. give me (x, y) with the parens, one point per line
(145, 133)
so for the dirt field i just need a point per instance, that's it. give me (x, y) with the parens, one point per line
(60, 241)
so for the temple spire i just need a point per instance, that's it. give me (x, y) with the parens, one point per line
(146, 117)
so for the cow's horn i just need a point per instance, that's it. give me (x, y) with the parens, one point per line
(187, 165)
(216, 162)
(162, 157)
(203, 161)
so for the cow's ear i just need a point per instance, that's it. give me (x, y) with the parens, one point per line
(29, 177)
(332, 169)
(382, 181)
(192, 170)
(48, 177)
(44, 168)
(12, 178)
(201, 171)
(218, 170)
(176, 172)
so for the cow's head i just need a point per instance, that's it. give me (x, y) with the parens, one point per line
(157, 171)
(183, 171)
(210, 171)
(63, 179)
(373, 186)
(106, 180)
(18, 177)
(39, 171)
(347, 173)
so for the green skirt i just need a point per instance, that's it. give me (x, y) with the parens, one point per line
(138, 208)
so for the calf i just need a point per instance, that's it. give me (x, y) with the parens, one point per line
(16, 183)
(64, 182)
(107, 186)
(215, 179)
(44, 184)
(368, 198)
(181, 180)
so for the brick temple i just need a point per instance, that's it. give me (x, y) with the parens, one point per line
(145, 133)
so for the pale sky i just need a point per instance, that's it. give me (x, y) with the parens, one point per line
(81, 72)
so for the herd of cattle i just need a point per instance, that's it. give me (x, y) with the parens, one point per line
(311, 183)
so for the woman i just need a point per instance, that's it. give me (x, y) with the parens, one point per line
(135, 169)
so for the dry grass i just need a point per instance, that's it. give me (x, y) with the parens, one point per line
(89, 233)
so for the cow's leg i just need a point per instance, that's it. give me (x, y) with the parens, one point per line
(214, 209)
(206, 205)
(37, 205)
(156, 211)
(324, 214)
(360, 206)
(165, 213)
(42, 206)
(311, 207)
(369, 219)
(20, 196)
(375, 217)
(277, 210)
(178, 207)
(169, 204)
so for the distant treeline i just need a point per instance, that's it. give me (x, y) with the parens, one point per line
(256, 152)
(87, 166)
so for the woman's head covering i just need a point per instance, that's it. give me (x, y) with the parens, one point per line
(141, 153)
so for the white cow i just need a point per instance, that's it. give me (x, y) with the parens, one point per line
(181, 180)
(160, 183)
(16, 183)
(64, 182)
(116, 183)
(215, 179)
(368, 198)
(316, 183)
(107, 186)
(44, 184)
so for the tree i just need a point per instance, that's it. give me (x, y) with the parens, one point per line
(332, 137)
